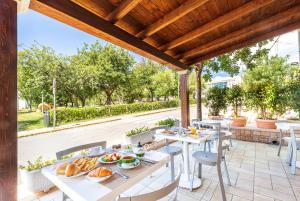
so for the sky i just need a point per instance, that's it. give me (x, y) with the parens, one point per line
(65, 39)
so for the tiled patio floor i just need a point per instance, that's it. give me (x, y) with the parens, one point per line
(256, 173)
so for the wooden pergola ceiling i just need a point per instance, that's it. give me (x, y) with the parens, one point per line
(177, 33)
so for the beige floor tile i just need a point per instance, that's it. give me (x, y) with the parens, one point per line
(240, 192)
(274, 194)
(245, 184)
(237, 198)
(263, 182)
(258, 197)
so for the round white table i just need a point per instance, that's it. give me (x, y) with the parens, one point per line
(186, 176)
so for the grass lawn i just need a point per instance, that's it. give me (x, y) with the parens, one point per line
(30, 120)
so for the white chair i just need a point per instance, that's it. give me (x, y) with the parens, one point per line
(288, 140)
(213, 159)
(159, 194)
(295, 146)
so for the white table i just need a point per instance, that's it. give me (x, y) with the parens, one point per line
(80, 189)
(186, 176)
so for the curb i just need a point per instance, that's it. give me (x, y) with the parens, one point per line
(78, 125)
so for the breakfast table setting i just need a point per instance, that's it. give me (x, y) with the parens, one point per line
(103, 176)
(186, 136)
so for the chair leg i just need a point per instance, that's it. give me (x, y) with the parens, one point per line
(279, 148)
(209, 147)
(172, 168)
(230, 142)
(200, 170)
(221, 182)
(293, 161)
(64, 197)
(204, 149)
(192, 179)
(226, 171)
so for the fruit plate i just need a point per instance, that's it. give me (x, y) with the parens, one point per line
(101, 160)
(135, 164)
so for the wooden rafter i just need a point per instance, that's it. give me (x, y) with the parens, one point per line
(171, 17)
(123, 9)
(76, 16)
(261, 26)
(254, 40)
(220, 21)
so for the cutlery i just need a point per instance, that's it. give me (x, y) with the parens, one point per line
(121, 174)
(148, 161)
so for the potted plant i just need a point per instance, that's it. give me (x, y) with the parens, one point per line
(216, 101)
(168, 123)
(32, 176)
(266, 92)
(235, 97)
(143, 135)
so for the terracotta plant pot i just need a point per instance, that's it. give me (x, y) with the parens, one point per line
(239, 122)
(220, 117)
(266, 124)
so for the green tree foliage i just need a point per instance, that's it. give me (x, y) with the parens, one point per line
(166, 83)
(36, 68)
(294, 89)
(145, 72)
(216, 100)
(97, 73)
(235, 97)
(266, 87)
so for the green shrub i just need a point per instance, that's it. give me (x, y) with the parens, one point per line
(167, 122)
(65, 115)
(137, 131)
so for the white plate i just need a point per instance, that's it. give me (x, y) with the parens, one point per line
(98, 179)
(137, 163)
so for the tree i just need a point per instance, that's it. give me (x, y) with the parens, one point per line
(110, 64)
(294, 89)
(145, 72)
(229, 63)
(82, 78)
(35, 68)
(266, 87)
(166, 84)
(235, 97)
(216, 100)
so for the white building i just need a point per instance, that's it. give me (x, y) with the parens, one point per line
(224, 81)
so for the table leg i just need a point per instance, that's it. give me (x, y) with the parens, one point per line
(186, 176)
(289, 154)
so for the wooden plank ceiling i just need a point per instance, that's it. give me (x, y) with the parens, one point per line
(177, 33)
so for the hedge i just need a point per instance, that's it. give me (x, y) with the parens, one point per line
(65, 115)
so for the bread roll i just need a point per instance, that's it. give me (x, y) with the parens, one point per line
(61, 169)
(70, 170)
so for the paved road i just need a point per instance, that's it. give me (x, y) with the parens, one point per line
(47, 145)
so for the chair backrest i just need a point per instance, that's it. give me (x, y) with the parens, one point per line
(218, 135)
(156, 195)
(61, 154)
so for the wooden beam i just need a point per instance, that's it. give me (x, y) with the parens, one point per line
(218, 22)
(8, 100)
(264, 25)
(76, 16)
(184, 99)
(252, 41)
(171, 17)
(123, 9)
